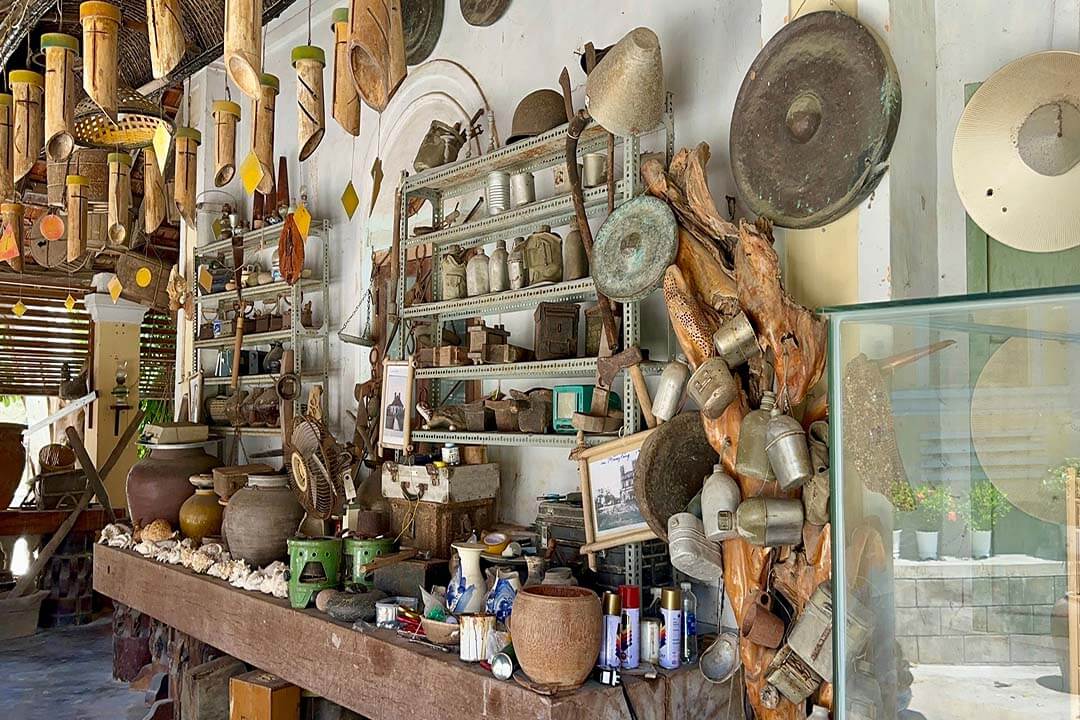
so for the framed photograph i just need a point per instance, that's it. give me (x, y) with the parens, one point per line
(395, 411)
(612, 515)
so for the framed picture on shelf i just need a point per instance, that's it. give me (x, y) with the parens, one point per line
(395, 411)
(612, 515)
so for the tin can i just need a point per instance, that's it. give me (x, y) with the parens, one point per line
(451, 454)
(671, 628)
(629, 631)
(594, 169)
(650, 640)
(498, 192)
(522, 189)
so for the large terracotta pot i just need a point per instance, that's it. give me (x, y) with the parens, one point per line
(556, 631)
(158, 484)
(201, 514)
(12, 461)
(260, 518)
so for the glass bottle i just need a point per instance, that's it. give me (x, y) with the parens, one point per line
(476, 274)
(515, 265)
(498, 277)
(689, 619)
(751, 460)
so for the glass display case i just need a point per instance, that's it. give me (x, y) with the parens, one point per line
(955, 445)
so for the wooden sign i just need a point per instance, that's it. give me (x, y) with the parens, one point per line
(262, 140)
(226, 116)
(243, 45)
(101, 33)
(61, 51)
(11, 237)
(7, 151)
(309, 62)
(119, 197)
(167, 43)
(185, 176)
(154, 204)
(376, 50)
(78, 202)
(345, 103)
(28, 91)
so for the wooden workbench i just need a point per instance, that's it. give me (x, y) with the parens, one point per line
(375, 673)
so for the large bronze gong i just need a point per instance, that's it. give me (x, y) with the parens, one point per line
(814, 121)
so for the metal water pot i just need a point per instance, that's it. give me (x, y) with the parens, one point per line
(476, 274)
(751, 460)
(769, 521)
(785, 442)
(517, 270)
(735, 341)
(712, 387)
(498, 274)
(720, 497)
(454, 285)
(670, 389)
(575, 260)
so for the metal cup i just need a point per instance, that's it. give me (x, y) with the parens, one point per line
(736, 341)
(522, 189)
(760, 626)
(594, 169)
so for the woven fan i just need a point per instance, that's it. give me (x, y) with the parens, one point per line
(317, 467)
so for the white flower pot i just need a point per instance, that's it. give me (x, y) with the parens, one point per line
(896, 543)
(980, 543)
(927, 543)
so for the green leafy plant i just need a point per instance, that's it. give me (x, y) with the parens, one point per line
(933, 505)
(986, 506)
(1057, 478)
(157, 411)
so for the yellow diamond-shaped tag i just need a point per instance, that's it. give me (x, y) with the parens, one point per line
(216, 228)
(69, 303)
(162, 142)
(115, 288)
(302, 218)
(251, 173)
(18, 308)
(206, 279)
(350, 200)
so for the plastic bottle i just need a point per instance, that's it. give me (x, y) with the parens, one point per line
(671, 629)
(689, 617)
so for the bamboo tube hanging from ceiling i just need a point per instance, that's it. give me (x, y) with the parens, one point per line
(262, 131)
(78, 203)
(101, 34)
(346, 102)
(154, 197)
(28, 91)
(185, 175)
(376, 49)
(226, 116)
(119, 197)
(61, 52)
(7, 151)
(243, 45)
(309, 62)
(166, 34)
(12, 216)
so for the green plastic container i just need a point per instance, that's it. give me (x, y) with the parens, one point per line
(314, 565)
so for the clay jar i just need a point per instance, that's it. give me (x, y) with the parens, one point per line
(158, 484)
(200, 515)
(260, 518)
(12, 460)
(556, 630)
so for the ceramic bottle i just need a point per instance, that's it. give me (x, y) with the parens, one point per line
(467, 589)
(498, 272)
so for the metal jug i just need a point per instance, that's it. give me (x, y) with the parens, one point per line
(712, 387)
(543, 255)
(575, 260)
(517, 270)
(770, 522)
(751, 460)
(785, 443)
(670, 389)
(476, 274)
(735, 341)
(498, 273)
(720, 497)
(454, 285)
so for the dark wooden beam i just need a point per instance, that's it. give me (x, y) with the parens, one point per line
(45, 522)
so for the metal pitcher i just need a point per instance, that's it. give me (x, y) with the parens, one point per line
(712, 387)
(785, 442)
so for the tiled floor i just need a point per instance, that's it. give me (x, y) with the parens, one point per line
(64, 674)
(988, 692)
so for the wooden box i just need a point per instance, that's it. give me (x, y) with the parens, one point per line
(481, 336)
(434, 526)
(230, 478)
(258, 695)
(452, 356)
(506, 353)
(440, 485)
(204, 690)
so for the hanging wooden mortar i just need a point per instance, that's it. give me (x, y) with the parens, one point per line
(243, 45)
(226, 115)
(309, 62)
(12, 216)
(154, 197)
(7, 151)
(376, 50)
(119, 196)
(61, 51)
(28, 91)
(167, 45)
(262, 140)
(346, 103)
(187, 167)
(78, 201)
(101, 35)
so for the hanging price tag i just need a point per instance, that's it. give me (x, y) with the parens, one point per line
(302, 218)
(69, 303)
(162, 142)
(115, 288)
(19, 308)
(376, 182)
(251, 173)
(350, 200)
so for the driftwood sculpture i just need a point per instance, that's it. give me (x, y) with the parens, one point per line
(720, 269)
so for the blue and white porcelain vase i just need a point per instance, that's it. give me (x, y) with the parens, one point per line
(467, 588)
(500, 600)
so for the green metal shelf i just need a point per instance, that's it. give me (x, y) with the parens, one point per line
(504, 439)
(510, 301)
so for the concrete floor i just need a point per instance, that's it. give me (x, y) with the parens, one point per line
(64, 674)
(989, 692)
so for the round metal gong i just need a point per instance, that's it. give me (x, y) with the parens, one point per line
(814, 121)
(481, 13)
(633, 249)
(672, 466)
(422, 22)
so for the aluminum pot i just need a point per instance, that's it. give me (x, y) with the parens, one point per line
(159, 484)
(260, 518)
(789, 456)
(556, 630)
(735, 341)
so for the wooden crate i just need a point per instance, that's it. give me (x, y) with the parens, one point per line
(204, 693)
(435, 526)
(258, 695)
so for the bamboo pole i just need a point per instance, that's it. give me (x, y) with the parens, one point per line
(376, 50)
(262, 140)
(7, 151)
(101, 36)
(78, 189)
(345, 103)
(226, 115)
(61, 51)
(166, 33)
(154, 204)
(28, 91)
(119, 196)
(187, 166)
(243, 45)
(12, 216)
(309, 62)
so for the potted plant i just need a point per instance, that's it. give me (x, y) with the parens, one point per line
(903, 499)
(986, 506)
(933, 504)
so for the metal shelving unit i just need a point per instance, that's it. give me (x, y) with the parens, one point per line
(296, 335)
(458, 179)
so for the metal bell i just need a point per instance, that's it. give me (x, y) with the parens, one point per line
(785, 442)
(720, 497)
(770, 522)
(670, 389)
(751, 460)
(712, 387)
(736, 341)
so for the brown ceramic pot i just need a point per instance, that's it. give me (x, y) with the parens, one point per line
(556, 631)
(12, 461)
(260, 518)
(158, 484)
(201, 514)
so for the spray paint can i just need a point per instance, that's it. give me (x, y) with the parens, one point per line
(629, 632)
(670, 628)
(609, 645)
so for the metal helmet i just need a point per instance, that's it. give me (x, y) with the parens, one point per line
(538, 112)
